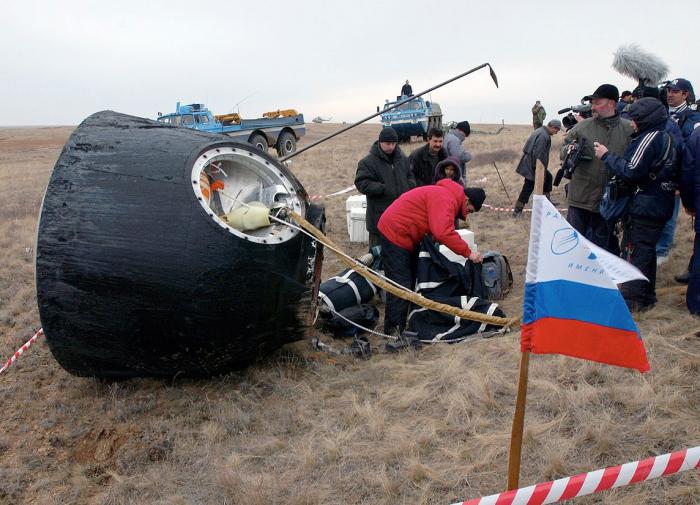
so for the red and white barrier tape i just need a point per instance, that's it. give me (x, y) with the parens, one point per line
(21, 350)
(342, 191)
(596, 481)
(509, 209)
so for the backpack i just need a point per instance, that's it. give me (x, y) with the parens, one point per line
(497, 275)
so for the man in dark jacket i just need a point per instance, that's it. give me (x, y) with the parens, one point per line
(690, 195)
(626, 98)
(647, 172)
(382, 175)
(428, 209)
(679, 95)
(590, 176)
(406, 89)
(536, 148)
(424, 160)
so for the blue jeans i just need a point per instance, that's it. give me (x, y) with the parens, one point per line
(663, 246)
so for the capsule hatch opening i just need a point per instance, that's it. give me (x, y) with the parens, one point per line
(240, 190)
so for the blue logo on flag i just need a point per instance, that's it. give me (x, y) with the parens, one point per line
(564, 240)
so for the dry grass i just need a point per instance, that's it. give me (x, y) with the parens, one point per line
(301, 428)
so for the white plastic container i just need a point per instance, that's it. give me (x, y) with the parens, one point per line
(354, 202)
(356, 222)
(468, 237)
(357, 228)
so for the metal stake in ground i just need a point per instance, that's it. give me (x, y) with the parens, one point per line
(502, 183)
(398, 104)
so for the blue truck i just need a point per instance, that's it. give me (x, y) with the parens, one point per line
(281, 128)
(412, 119)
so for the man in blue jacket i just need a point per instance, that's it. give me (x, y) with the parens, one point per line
(679, 95)
(690, 195)
(646, 171)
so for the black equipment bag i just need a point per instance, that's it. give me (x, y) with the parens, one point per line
(346, 289)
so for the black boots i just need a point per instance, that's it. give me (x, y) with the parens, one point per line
(518, 209)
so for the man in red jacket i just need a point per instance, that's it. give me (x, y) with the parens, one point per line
(424, 210)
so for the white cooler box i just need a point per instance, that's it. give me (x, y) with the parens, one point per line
(468, 237)
(355, 213)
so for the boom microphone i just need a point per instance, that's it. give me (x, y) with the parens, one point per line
(634, 62)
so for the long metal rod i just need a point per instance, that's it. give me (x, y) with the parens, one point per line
(413, 97)
(503, 183)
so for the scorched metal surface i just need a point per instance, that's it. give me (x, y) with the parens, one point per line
(136, 276)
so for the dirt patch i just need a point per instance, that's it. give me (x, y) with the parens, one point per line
(102, 445)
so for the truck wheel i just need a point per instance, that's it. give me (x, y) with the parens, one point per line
(425, 137)
(286, 144)
(259, 141)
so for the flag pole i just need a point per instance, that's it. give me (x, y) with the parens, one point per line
(516, 434)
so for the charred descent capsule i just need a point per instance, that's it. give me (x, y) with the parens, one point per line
(139, 274)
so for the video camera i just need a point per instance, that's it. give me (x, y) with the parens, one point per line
(573, 156)
(583, 109)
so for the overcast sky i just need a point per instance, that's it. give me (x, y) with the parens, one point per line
(66, 60)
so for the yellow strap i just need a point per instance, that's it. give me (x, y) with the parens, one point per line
(402, 293)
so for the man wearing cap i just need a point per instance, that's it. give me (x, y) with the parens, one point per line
(382, 175)
(679, 95)
(538, 115)
(424, 159)
(536, 148)
(626, 98)
(590, 176)
(424, 210)
(453, 145)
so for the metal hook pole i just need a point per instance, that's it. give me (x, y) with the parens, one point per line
(342, 130)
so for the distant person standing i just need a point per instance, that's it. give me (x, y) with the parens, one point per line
(626, 98)
(536, 148)
(406, 89)
(453, 145)
(424, 160)
(538, 115)
(383, 175)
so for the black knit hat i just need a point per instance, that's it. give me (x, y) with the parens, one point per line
(464, 126)
(476, 197)
(388, 134)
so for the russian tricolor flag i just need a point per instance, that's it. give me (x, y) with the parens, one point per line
(572, 305)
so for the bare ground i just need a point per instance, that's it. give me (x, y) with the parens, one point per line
(302, 428)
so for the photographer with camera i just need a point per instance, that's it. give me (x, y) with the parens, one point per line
(536, 148)
(648, 173)
(590, 176)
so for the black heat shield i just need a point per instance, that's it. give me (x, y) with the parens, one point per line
(134, 278)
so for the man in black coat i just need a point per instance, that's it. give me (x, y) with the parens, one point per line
(424, 160)
(647, 172)
(382, 175)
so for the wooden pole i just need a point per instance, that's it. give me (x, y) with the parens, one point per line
(516, 434)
